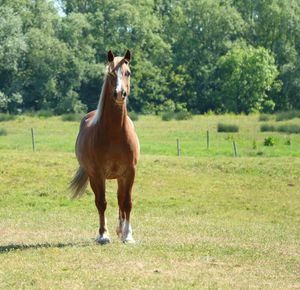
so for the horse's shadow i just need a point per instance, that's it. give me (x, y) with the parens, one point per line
(21, 247)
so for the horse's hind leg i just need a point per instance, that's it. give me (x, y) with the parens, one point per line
(124, 229)
(98, 186)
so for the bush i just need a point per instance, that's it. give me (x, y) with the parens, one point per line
(285, 128)
(71, 117)
(265, 117)
(167, 116)
(288, 141)
(227, 128)
(183, 115)
(44, 113)
(133, 116)
(6, 117)
(268, 128)
(289, 128)
(209, 113)
(288, 115)
(3, 132)
(269, 141)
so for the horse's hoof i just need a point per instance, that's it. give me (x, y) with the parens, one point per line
(103, 240)
(129, 241)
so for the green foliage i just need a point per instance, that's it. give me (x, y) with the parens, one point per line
(10, 103)
(12, 51)
(3, 132)
(44, 113)
(194, 55)
(243, 77)
(71, 117)
(284, 128)
(288, 115)
(167, 116)
(12, 42)
(133, 116)
(6, 117)
(183, 116)
(222, 127)
(179, 116)
(288, 142)
(3, 101)
(265, 117)
(289, 128)
(268, 128)
(269, 141)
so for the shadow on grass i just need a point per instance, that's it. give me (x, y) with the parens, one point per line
(21, 247)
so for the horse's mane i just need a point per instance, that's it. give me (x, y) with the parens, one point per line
(99, 109)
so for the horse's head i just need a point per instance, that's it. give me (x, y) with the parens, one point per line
(118, 68)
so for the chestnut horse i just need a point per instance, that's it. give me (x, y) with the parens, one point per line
(107, 147)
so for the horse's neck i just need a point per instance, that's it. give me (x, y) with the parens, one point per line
(113, 117)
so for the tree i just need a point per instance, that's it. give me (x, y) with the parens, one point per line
(200, 31)
(242, 79)
(275, 25)
(12, 50)
(186, 54)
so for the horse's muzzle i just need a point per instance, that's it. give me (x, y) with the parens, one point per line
(120, 97)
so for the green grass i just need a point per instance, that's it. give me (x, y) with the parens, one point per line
(158, 137)
(204, 220)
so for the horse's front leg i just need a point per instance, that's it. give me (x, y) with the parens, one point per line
(98, 186)
(125, 184)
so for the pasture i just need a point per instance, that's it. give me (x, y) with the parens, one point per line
(204, 220)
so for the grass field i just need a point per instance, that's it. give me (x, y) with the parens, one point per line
(204, 220)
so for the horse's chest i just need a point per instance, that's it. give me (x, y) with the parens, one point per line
(116, 159)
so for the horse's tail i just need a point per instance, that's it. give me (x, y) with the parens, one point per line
(79, 183)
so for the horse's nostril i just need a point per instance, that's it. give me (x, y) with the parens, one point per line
(124, 94)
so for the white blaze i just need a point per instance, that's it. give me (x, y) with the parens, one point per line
(119, 80)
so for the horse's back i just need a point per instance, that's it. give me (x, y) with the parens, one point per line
(87, 120)
(83, 133)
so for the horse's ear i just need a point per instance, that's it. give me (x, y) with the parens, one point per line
(110, 56)
(128, 55)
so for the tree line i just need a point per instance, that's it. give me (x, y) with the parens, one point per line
(196, 55)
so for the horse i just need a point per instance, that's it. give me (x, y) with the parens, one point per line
(107, 147)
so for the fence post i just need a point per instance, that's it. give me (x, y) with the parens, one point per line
(207, 139)
(234, 148)
(33, 139)
(178, 147)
